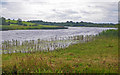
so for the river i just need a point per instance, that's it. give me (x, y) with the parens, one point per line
(22, 35)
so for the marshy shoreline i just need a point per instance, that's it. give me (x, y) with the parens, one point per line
(97, 56)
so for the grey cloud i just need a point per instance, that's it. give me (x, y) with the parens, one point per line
(68, 11)
(38, 3)
(86, 12)
(64, 15)
(13, 6)
(71, 12)
(111, 6)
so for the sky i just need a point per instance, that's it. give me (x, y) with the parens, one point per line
(98, 11)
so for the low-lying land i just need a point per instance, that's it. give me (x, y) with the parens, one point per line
(17, 27)
(8, 24)
(23, 25)
(98, 56)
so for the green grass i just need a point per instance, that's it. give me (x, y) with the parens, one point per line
(28, 23)
(12, 21)
(18, 27)
(14, 27)
(109, 33)
(15, 21)
(98, 56)
(29, 26)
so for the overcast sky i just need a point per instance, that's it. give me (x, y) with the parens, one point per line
(61, 10)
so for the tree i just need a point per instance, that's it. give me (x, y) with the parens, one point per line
(119, 22)
(77, 22)
(67, 22)
(8, 19)
(0, 20)
(71, 21)
(3, 21)
(81, 22)
(25, 24)
(8, 23)
(19, 21)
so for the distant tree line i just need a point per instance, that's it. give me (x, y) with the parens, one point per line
(68, 23)
(74, 24)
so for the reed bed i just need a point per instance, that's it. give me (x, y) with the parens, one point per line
(54, 43)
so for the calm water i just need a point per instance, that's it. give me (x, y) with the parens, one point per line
(22, 35)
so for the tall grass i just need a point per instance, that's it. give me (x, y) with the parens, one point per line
(109, 33)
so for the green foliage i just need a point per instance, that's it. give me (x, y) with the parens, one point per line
(19, 24)
(74, 24)
(68, 23)
(18, 27)
(39, 24)
(3, 21)
(109, 33)
(19, 21)
(8, 22)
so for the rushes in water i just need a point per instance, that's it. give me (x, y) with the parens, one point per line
(15, 46)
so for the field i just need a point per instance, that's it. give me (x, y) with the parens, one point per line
(98, 56)
(27, 25)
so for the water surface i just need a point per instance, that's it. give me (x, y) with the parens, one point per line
(22, 35)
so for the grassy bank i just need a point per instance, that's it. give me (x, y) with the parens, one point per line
(98, 56)
(18, 27)
(27, 25)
